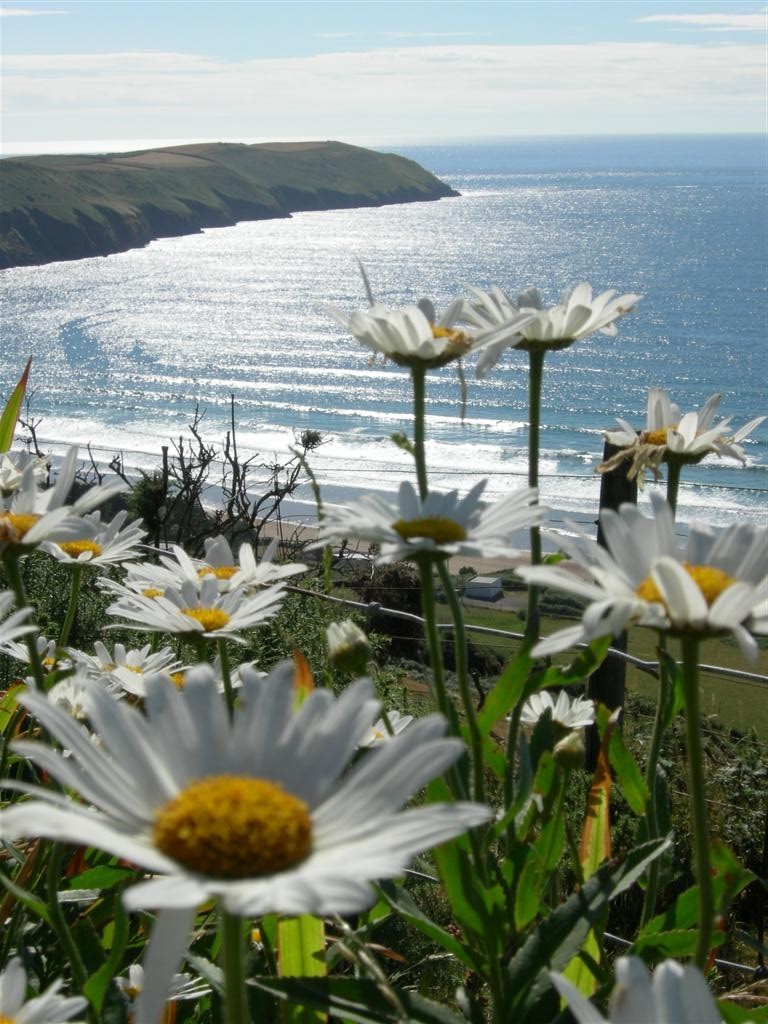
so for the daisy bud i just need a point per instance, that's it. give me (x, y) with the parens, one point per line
(348, 647)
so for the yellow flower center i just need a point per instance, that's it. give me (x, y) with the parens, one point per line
(7, 1020)
(229, 826)
(73, 548)
(710, 581)
(658, 436)
(152, 592)
(458, 341)
(440, 529)
(13, 527)
(178, 680)
(221, 572)
(210, 619)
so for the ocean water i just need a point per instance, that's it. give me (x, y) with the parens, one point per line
(124, 347)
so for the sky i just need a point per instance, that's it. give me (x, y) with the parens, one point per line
(88, 74)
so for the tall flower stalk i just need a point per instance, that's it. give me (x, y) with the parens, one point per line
(690, 653)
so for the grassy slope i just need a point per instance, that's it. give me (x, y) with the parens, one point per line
(169, 191)
(738, 704)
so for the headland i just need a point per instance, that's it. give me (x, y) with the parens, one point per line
(72, 207)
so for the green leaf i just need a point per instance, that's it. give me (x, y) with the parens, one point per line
(9, 705)
(583, 665)
(628, 775)
(10, 413)
(454, 864)
(508, 691)
(673, 943)
(402, 442)
(559, 937)
(401, 901)
(357, 999)
(103, 877)
(301, 946)
(729, 880)
(96, 986)
(733, 1014)
(31, 902)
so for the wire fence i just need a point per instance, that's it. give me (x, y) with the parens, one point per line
(373, 608)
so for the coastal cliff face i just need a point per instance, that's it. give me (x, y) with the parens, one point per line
(71, 207)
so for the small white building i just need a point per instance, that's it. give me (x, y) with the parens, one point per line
(483, 588)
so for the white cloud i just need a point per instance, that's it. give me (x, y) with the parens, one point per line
(26, 12)
(447, 89)
(727, 22)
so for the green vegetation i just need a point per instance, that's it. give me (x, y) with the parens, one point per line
(70, 207)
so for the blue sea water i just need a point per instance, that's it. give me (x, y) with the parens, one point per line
(125, 346)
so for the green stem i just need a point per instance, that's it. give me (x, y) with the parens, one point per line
(674, 469)
(74, 594)
(432, 635)
(418, 379)
(233, 958)
(690, 652)
(226, 675)
(59, 922)
(11, 566)
(462, 674)
(535, 378)
(651, 770)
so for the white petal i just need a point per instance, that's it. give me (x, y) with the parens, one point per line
(685, 602)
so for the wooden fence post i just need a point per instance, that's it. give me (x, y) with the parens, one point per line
(608, 684)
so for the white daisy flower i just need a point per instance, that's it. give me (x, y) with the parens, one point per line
(440, 526)
(48, 652)
(12, 466)
(198, 609)
(413, 336)
(245, 571)
(14, 626)
(713, 583)
(348, 647)
(570, 713)
(100, 543)
(183, 986)
(378, 732)
(576, 315)
(30, 516)
(48, 1008)
(256, 811)
(126, 669)
(674, 995)
(669, 436)
(73, 695)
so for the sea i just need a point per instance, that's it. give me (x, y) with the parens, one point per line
(126, 348)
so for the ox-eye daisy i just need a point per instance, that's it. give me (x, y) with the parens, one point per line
(126, 669)
(525, 323)
(676, 994)
(569, 713)
(47, 1008)
(257, 811)
(100, 543)
(412, 337)
(30, 515)
(713, 583)
(198, 610)
(671, 437)
(436, 527)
